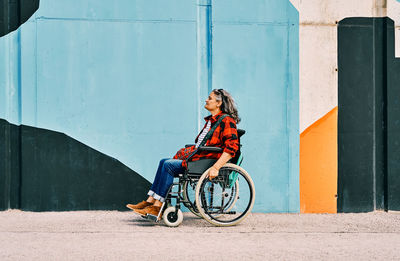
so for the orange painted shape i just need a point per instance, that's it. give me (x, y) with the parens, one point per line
(318, 165)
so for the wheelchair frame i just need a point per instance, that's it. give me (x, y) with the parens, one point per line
(194, 172)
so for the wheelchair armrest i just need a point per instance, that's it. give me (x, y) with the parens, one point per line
(211, 149)
(188, 145)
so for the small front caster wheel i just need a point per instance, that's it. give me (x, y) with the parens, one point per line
(172, 218)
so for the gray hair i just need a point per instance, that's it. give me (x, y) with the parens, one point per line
(228, 103)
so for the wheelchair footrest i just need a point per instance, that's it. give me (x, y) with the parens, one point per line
(152, 218)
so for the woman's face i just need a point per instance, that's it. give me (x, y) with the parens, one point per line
(211, 103)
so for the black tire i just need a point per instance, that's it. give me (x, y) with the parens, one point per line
(172, 218)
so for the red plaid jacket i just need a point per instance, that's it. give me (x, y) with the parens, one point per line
(225, 136)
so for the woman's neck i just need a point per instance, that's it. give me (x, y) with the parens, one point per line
(215, 112)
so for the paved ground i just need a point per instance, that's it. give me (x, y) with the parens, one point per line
(111, 235)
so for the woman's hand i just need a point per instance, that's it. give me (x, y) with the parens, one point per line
(213, 172)
(225, 157)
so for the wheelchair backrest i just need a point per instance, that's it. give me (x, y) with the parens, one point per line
(241, 132)
(239, 158)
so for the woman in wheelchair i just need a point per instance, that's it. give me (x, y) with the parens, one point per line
(225, 136)
(209, 173)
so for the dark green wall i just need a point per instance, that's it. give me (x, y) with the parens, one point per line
(9, 165)
(43, 170)
(393, 127)
(368, 118)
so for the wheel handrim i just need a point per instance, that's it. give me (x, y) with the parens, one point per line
(232, 212)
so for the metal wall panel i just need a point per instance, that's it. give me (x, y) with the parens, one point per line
(255, 57)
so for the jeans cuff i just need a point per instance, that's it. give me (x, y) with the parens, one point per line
(151, 193)
(158, 197)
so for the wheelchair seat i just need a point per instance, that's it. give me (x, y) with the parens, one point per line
(199, 166)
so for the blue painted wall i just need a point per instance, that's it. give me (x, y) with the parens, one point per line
(129, 78)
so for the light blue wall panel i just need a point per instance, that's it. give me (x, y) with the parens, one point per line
(10, 95)
(252, 11)
(28, 73)
(156, 10)
(122, 88)
(255, 57)
(293, 110)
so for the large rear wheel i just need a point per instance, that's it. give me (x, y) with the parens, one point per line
(219, 200)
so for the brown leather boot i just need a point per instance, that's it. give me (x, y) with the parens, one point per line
(140, 205)
(150, 210)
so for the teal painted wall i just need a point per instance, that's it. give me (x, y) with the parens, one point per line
(129, 79)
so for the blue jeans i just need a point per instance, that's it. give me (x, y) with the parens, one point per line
(167, 170)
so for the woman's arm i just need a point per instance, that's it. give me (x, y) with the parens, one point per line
(231, 146)
(225, 157)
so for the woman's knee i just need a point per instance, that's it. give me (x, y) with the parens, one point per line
(172, 165)
(162, 161)
(168, 162)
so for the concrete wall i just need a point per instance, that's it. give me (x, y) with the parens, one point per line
(393, 11)
(318, 49)
(319, 92)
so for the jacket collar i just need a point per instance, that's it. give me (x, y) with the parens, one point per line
(214, 118)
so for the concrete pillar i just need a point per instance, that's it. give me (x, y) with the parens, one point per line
(380, 8)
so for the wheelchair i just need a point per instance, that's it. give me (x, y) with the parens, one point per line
(225, 200)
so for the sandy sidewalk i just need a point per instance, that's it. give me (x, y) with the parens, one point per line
(111, 235)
